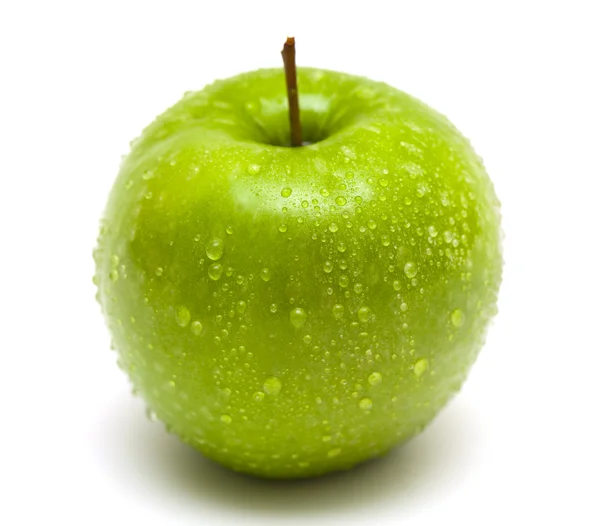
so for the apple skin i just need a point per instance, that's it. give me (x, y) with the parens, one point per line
(295, 311)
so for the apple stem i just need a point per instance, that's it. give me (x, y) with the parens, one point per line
(289, 64)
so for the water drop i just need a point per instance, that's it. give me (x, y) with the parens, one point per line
(286, 192)
(226, 419)
(241, 307)
(334, 452)
(259, 396)
(348, 152)
(229, 230)
(272, 385)
(383, 182)
(448, 236)
(358, 288)
(114, 260)
(113, 275)
(432, 231)
(365, 404)
(372, 224)
(420, 367)
(215, 271)
(265, 274)
(253, 169)
(458, 318)
(341, 247)
(375, 378)
(159, 271)
(343, 281)
(283, 228)
(214, 248)
(340, 200)
(410, 270)
(196, 328)
(298, 317)
(328, 266)
(273, 308)
(338, 311)
(397, 285)
(333, 227)
(364, 314)
(182, 315)
(385, 240)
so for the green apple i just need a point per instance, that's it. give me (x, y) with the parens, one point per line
(294, 311)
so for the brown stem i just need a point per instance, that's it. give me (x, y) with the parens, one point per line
(289, 63)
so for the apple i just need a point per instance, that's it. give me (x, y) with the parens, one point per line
(291, 311)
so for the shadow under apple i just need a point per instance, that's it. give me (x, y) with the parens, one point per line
(142, 455)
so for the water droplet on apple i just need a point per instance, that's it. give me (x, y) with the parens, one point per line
(259, 396)
(226, 419)
(326, 438)
(348, 152)
(375, 378)
(324, 192)
(182, 316)
(383, 182)
(333, 227)
(365, 404)
(340, 200)
(253, 169)
(286, 192)
(364, 314)
(343, 281)
(432, 231)
(283, 228)
(272, 385)
(265, 274)
(448, 236)
(421, 366)
(229, 230)
(385, 240)
(328, 266)
(341, 247)
(151, 415)
(397, 285)
(113, 275)
(358, 288)
(338, 311)
(298, 317)
(273, 308)
(196, 328)
(114, 260)
(241, 307)
(410, 270)
(215, 271)
(159, 271)
(214, 248)
(458, 318)
(334, 452)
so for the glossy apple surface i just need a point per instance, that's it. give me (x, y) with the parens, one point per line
(294, 311)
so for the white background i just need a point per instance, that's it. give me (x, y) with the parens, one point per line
(79, 80)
